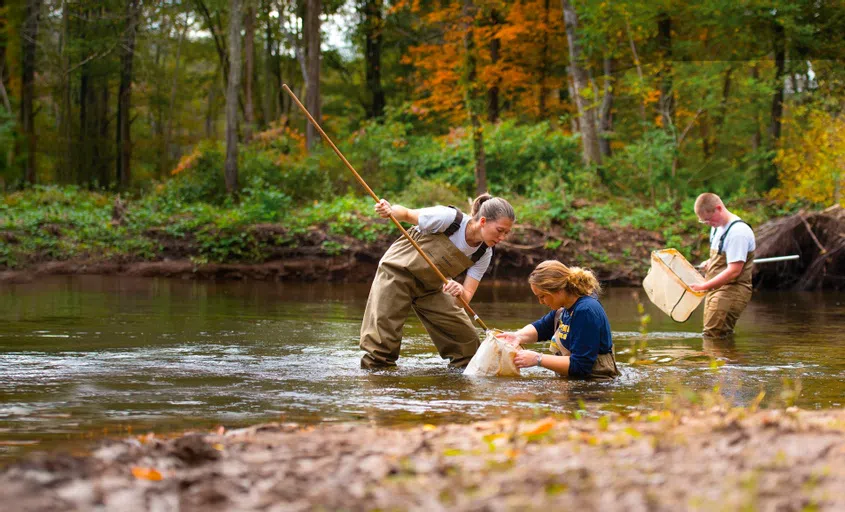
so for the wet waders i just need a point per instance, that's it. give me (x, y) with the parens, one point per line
(603, 369)
(723, 306)
(404, 281)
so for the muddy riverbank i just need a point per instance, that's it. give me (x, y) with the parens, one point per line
(705, 459)
(619, 256)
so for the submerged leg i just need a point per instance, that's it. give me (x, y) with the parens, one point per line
(387, 308)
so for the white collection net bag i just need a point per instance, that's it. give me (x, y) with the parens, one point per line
(494, 358)
(668, 284)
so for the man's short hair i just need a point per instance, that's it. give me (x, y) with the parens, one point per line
(707, 202)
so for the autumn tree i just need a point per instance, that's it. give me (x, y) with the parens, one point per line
(580, 81)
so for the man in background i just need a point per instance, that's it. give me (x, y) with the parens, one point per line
(727, 273)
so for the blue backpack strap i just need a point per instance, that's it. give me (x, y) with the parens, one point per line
(725, 234)
(456, 224)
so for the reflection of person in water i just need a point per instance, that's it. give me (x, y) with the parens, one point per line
(720, 348)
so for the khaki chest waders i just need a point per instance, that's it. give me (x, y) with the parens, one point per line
(439, 313)
(724, 305)
(605, 366)
(404, 281)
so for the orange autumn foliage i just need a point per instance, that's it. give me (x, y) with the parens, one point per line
(532, 50)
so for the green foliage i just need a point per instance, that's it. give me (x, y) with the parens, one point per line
(644, 167)
(7, 143)
(422, 192)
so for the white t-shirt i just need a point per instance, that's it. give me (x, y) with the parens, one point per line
(436, 219)
(739, 242)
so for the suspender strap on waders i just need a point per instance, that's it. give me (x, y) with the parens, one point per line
(725, 234)
(456, 225)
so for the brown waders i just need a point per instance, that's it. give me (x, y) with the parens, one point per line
(723, 305)
(605, 365)
(405, 281)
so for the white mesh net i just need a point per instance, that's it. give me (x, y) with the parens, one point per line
(667, 284)
(493, 359)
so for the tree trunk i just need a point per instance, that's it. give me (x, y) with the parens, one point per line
(312, 63)
(66, 170)
(373, 26)
(124, 99)
(756, 137)
(232, 89)
(493, 92)
(249, 69)
(769, 172)
(473, 97)
(268, 99)
(667, 95)
(83, 142)
(704, 132)
(606, 112)
(102, 153)
(29, 35)
(586, 112)
(171, 107)
(210, 111)
(4, 69)
(544, 63)
(777, 98)
(722, 111)
(8, 158)
(277, 74)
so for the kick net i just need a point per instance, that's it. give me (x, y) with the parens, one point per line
(668, 284)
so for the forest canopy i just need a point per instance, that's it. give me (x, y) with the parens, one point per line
(651, 101)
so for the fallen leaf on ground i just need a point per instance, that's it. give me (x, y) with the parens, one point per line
(146, 473)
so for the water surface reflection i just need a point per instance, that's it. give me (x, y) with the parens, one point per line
(87, 356)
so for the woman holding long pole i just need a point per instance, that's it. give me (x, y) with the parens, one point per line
(387, 308)
(405, 281)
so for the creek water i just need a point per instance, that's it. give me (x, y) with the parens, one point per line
(85, 357)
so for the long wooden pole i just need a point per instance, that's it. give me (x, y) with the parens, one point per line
(376, 199)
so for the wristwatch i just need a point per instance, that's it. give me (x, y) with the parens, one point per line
(539, 360)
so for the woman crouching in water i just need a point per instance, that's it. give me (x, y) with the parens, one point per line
(405, 282)
(581, 345)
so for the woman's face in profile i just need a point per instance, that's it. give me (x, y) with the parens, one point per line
(552, 300)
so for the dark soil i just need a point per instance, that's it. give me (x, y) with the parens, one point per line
(718, 459)
(618, 256)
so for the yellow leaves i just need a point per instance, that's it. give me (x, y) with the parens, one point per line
(811, 163)
(428, 427)
(146, 474)
(653, 96)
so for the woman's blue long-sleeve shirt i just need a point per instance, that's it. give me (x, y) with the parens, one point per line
(585, 333)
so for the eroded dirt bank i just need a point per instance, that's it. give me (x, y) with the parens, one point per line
(618, 256)
(704, 460)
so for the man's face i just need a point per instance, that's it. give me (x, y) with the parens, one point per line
(712, 218)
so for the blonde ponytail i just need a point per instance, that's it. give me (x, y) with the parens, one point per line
(552, 276)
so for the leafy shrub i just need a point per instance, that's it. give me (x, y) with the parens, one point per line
(643, 168)
(422, 193)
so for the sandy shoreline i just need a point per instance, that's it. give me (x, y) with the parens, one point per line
(696, 460)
